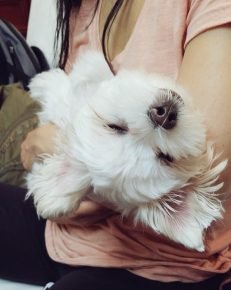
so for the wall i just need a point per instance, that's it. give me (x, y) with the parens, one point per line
(41, 27)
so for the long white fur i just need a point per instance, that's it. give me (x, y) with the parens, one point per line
(179, 200)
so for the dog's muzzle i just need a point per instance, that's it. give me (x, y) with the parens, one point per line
(165, 113)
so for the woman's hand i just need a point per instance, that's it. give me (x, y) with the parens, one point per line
(88, 213)
(38, 141)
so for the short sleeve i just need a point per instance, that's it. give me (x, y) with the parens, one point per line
(206, 14)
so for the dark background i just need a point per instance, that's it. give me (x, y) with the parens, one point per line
(17, 12)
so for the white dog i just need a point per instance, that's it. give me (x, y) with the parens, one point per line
(136, 140)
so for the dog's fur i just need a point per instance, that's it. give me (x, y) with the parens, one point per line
(166, 179)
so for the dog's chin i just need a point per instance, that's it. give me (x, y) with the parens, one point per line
(173, 217)
(184, 215)
(181, 219)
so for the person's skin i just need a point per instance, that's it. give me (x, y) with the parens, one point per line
(205, 72)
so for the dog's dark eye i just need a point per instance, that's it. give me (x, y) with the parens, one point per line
(165, 157)
(118, 128)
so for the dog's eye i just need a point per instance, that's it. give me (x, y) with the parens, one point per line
(165, 157)
(118, 128)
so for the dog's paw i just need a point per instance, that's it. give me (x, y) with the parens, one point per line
(56, 187)
(51, 207)
(52, 89)
(54, 82)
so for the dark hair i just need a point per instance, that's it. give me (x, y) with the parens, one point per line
(64, 9)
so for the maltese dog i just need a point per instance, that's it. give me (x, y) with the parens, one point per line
(133, 137)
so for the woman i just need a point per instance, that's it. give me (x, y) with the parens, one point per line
(93, 249)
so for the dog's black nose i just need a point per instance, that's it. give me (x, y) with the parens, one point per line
(166, 112)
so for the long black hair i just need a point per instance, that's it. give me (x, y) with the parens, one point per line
(64, 9)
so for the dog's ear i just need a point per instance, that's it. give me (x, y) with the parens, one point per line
(57, 185)
(90, 67)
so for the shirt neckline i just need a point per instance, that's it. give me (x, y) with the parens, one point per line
(94, 30)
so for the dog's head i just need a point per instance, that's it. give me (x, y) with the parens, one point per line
(143, 129)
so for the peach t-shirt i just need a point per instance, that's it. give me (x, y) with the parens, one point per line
(162, 31)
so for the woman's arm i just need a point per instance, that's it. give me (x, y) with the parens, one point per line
(206, 74)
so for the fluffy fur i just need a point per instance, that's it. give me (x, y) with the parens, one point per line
(165, 178)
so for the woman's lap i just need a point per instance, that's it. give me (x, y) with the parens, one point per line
(23, 255)
(89, 278)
